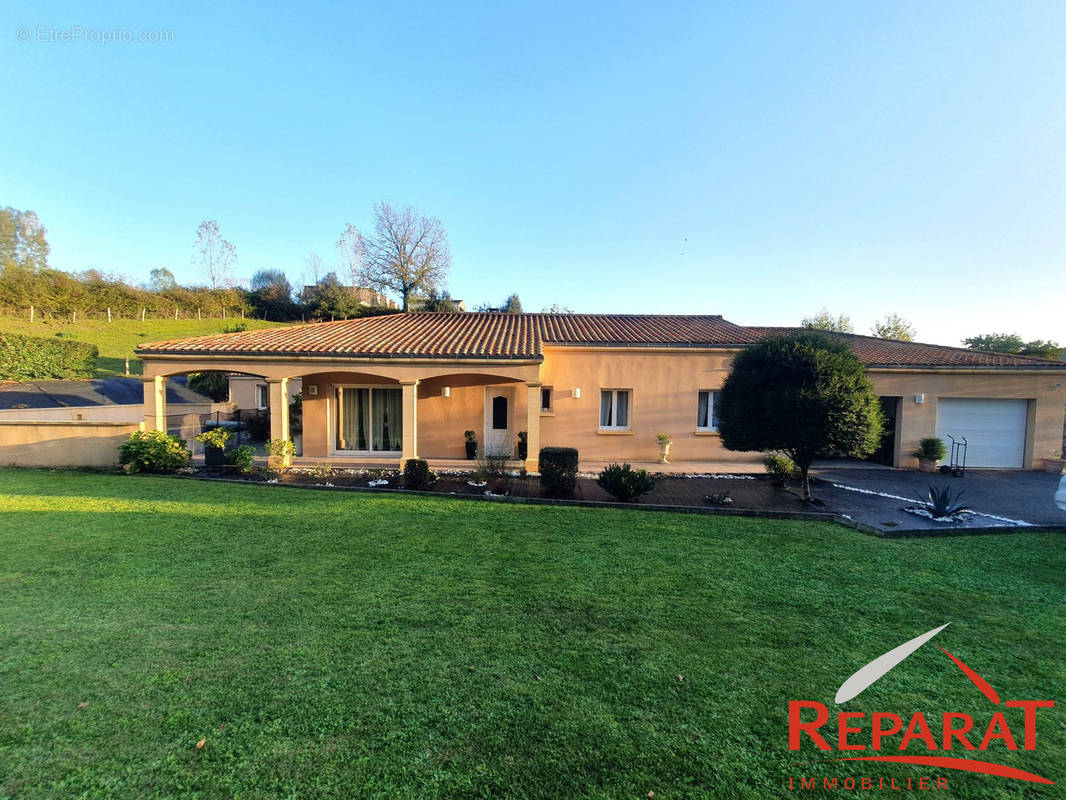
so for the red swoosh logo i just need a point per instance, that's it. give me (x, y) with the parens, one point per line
(964, 764)
(978, 681)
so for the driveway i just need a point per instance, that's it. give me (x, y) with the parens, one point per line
(1011, 494)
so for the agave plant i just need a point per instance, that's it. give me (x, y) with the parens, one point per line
(943, 502)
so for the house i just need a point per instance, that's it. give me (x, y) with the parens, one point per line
(364, 296)
(251, 393)
(388, 388)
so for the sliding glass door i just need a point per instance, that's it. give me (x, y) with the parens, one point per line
(369, 420)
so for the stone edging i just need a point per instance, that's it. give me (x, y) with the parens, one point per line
(810, 516)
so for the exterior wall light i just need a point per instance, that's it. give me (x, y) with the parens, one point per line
(919, 398)
(577, 394)
(446, 391)
(312, 390)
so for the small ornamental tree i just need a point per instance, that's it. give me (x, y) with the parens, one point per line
(805, 396)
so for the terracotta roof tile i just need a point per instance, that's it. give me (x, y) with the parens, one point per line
(498, 335)
(488, 335)
(889, 353)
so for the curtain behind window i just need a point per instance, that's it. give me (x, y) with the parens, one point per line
(703, 417)
(354, 424)
(622, 416)
(388, 419)
(605, 410)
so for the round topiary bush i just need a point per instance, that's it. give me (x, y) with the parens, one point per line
(558, 471)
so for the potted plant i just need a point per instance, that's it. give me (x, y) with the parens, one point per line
(214, 442)
(1054, 464)
(471, 445)
(664, 446)
(523, 445)
(930, 451)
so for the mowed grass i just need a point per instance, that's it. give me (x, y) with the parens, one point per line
(117, 339)
(372, 646)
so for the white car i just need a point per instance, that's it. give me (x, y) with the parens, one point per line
(1060, 495)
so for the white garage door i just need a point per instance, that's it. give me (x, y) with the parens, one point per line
(995, 429)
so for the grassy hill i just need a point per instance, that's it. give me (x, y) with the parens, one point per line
(117, 339)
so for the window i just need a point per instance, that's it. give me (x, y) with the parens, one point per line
(707, 411)
(614, 409)
(262, 396)
(369, 419)
(545, 399)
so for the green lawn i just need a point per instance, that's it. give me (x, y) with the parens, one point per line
(117, 339)
(372, 646)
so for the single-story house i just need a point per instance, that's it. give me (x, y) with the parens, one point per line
(402, 386)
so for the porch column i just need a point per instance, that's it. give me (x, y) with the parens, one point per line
(532, 426)
(279, 410)
(155, 403)
(410, 420)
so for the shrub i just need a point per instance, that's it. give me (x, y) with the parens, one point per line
(780, 467)
(931, 448)
(624, 482)
(280, 451)
(663, 438)
(215, 437)
(243, 458)
(490, 467)
(153, 451)
(558, 471)
(470, 436)
(523, 445)
(416, 474)
(236, 327)
(942, 502)
(36, 357)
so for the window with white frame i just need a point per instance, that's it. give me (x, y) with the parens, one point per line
(614, 409)
(262, 396)
(707, 411)
(545, 399)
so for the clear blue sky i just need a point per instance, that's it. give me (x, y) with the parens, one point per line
(759, 161)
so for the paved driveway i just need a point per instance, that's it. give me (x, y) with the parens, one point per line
(1017, 495)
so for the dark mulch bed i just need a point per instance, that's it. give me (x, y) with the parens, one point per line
(747, 492)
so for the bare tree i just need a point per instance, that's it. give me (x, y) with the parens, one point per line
(213, 254)
(350, 254)
(314, 269)
(407, 254)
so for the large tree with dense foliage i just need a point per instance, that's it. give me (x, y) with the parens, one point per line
(824, 321)
(23, 240)
(805, 395)
(1014, 344)
(895, 327)
(271, 295)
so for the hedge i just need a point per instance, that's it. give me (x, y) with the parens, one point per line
(558, 471)
(34, 357)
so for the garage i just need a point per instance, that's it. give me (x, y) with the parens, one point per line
(994, 428)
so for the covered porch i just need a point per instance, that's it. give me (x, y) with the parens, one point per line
(378, 412)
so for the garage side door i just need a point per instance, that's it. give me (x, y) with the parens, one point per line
(995, 429)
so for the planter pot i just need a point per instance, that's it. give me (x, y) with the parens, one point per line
(523, 450)
(927, 464)
(1054, 465)
(471, 451)
(664, 451)
(214, 456)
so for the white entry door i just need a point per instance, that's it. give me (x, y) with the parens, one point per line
(994, 428)
(499, 421)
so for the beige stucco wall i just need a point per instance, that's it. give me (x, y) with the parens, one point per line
(1044, 390)
(665, 385)
(62, 443)
(242, 390)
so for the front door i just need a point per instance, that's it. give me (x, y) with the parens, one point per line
(499, 421)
